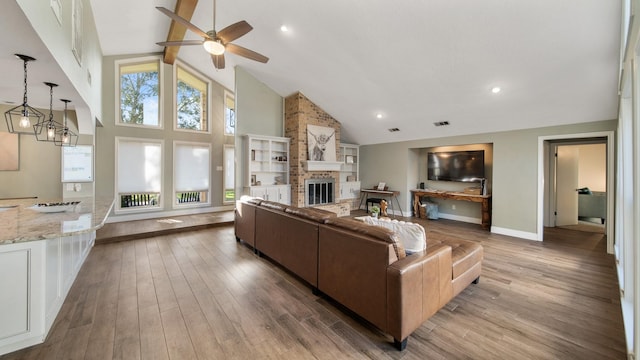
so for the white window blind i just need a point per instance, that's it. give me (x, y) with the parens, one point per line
(229, 162)
(191, 166)
(139, 166)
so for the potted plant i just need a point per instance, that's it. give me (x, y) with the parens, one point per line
(375, 210)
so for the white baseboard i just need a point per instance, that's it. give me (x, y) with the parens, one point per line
(161, 214)
(516, 233)
(460, 218)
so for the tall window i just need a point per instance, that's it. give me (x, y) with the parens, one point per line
(229, 114)
(228, 155)
(191, 101)
(138, 92)
(191, 173)
(138, 173)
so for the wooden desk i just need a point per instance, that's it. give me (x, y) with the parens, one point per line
(390, 194)
(484, 199)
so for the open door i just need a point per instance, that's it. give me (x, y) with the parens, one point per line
(567, 168)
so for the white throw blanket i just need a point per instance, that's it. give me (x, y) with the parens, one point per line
(412, 235)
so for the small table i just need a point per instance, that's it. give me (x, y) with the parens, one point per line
(390, 194)
(485, 200)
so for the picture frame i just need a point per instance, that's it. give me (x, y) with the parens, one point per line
(381, 186)
(351, 178)
(56, 7)
(350, 159)
(76, 30)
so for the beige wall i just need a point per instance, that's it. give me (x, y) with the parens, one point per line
(39, 171)
(514, 174)
(105, 136)
(259, 111)
(592, 171)
(57, 38)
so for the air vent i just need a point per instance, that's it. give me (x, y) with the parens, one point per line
(441, 123)
(394, 129)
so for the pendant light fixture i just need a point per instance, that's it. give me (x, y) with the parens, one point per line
(64, 136)
(22, 118)
(46, 130)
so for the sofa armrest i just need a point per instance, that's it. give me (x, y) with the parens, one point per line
(417, 287)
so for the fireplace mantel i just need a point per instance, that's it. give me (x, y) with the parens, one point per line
(310, 165)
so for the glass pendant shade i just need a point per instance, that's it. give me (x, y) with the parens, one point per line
(23, 117)
(64, 136)
(46, 130)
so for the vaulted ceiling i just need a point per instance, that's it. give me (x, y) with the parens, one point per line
(414, 62)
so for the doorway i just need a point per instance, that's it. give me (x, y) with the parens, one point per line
(559, 204)
(580, 185)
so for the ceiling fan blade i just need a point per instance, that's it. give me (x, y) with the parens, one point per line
(234, 31)
(182, 21)
(249, 54)
(180, 43)
(218, 61)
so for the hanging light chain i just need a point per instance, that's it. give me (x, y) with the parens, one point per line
(51, 102)
(24, 98)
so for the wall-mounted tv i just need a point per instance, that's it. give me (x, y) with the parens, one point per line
(466, 166)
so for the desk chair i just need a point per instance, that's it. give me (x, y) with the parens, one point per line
(373, 201)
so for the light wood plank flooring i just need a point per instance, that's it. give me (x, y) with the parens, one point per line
(202, 295)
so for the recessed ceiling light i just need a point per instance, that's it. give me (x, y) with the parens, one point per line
(284, 28)
(379, 115)
(495, 89)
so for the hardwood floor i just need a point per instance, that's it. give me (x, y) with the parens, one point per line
(202, 295)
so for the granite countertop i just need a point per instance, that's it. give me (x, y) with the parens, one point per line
(21, 223)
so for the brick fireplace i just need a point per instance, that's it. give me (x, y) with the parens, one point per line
(300, 112)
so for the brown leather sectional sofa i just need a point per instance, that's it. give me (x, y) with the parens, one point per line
(361, 266)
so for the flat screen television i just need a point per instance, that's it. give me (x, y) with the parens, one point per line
(465, 166)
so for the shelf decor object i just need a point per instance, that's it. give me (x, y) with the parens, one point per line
(22, 118)
(50, 126)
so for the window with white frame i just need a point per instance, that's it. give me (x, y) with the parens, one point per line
(191, 173)
(138, 173)
(138, 92)
(228, 155)
(229, 114)
(192, 96)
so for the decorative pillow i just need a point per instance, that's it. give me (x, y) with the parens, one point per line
(413, 236)
(376, 232)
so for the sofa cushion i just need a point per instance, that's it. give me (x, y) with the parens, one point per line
(251, 200)
(464, 254)
(376, 232)
(412, 236)
(273, 205)
(317, 215)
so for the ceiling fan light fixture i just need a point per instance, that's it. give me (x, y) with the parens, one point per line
(213, 47)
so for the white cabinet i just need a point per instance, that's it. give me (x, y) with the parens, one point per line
(349, 171)
(266, 168)
(41, 275)
(278, 193)
(350, 190)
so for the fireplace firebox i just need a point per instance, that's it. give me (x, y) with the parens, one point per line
(319, 191)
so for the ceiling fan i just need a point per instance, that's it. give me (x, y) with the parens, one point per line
(215, 43)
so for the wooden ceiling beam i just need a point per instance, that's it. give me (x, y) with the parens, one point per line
(185, 9)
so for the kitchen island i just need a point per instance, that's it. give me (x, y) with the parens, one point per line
(41, 251)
